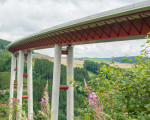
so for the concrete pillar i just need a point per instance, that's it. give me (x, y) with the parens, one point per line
(70, 91)
(12, 78)
(56, 83)
(30, 85)
(20, 76)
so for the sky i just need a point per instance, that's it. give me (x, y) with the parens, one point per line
(20, 18)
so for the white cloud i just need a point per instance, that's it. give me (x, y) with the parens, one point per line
(19, 18)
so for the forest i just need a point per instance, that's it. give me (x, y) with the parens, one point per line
(43, 71)
(93, 66)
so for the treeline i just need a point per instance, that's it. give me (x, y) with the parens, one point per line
(93, 66)
(5, 56)
(5, 61)
(124, 59)
(4, 43)
(130, 59)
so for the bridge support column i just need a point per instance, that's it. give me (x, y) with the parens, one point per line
(12, 78)
(30, 85)
(20, 79)
(70, 91)
(56, 83)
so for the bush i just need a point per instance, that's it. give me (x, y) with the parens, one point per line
(125, 93)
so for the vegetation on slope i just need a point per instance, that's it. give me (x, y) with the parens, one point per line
(93, 66)
(120, 94)
(128, 59)
(5, 56)
(43, 71)
(3, 44)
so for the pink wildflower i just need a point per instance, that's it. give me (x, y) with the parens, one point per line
(92, 96)
(90, 103)
(126, 113)
(43, 101)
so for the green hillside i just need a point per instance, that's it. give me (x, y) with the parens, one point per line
(5, 56)
(4, 43)
(123, 59)
(4, 80)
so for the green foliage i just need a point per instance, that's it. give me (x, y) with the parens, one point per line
(3, 110)
(43, 68)
(125, 92)
(5, 61)
(96, 59)
(126, 59)
(43, 71)
(92, 76)
(4, 105)
(61, 115)
(45, 112)
(93, 66)
(123, 59)
(4, 43)
(4, 80)
(5, 58)
(4, 97)
(80, 74)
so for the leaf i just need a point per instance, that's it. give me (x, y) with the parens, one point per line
(125, 60)
(130, 60)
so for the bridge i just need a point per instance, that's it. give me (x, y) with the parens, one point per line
(125, 23)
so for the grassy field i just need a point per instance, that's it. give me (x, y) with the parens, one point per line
(92, 75)
(5, 80)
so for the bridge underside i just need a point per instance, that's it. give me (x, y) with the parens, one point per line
(127, 27)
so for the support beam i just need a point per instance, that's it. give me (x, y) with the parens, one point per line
(56, 82)
(64, 87)
(12, 78)
(30, 85)
(20, 78)
(70, 91)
